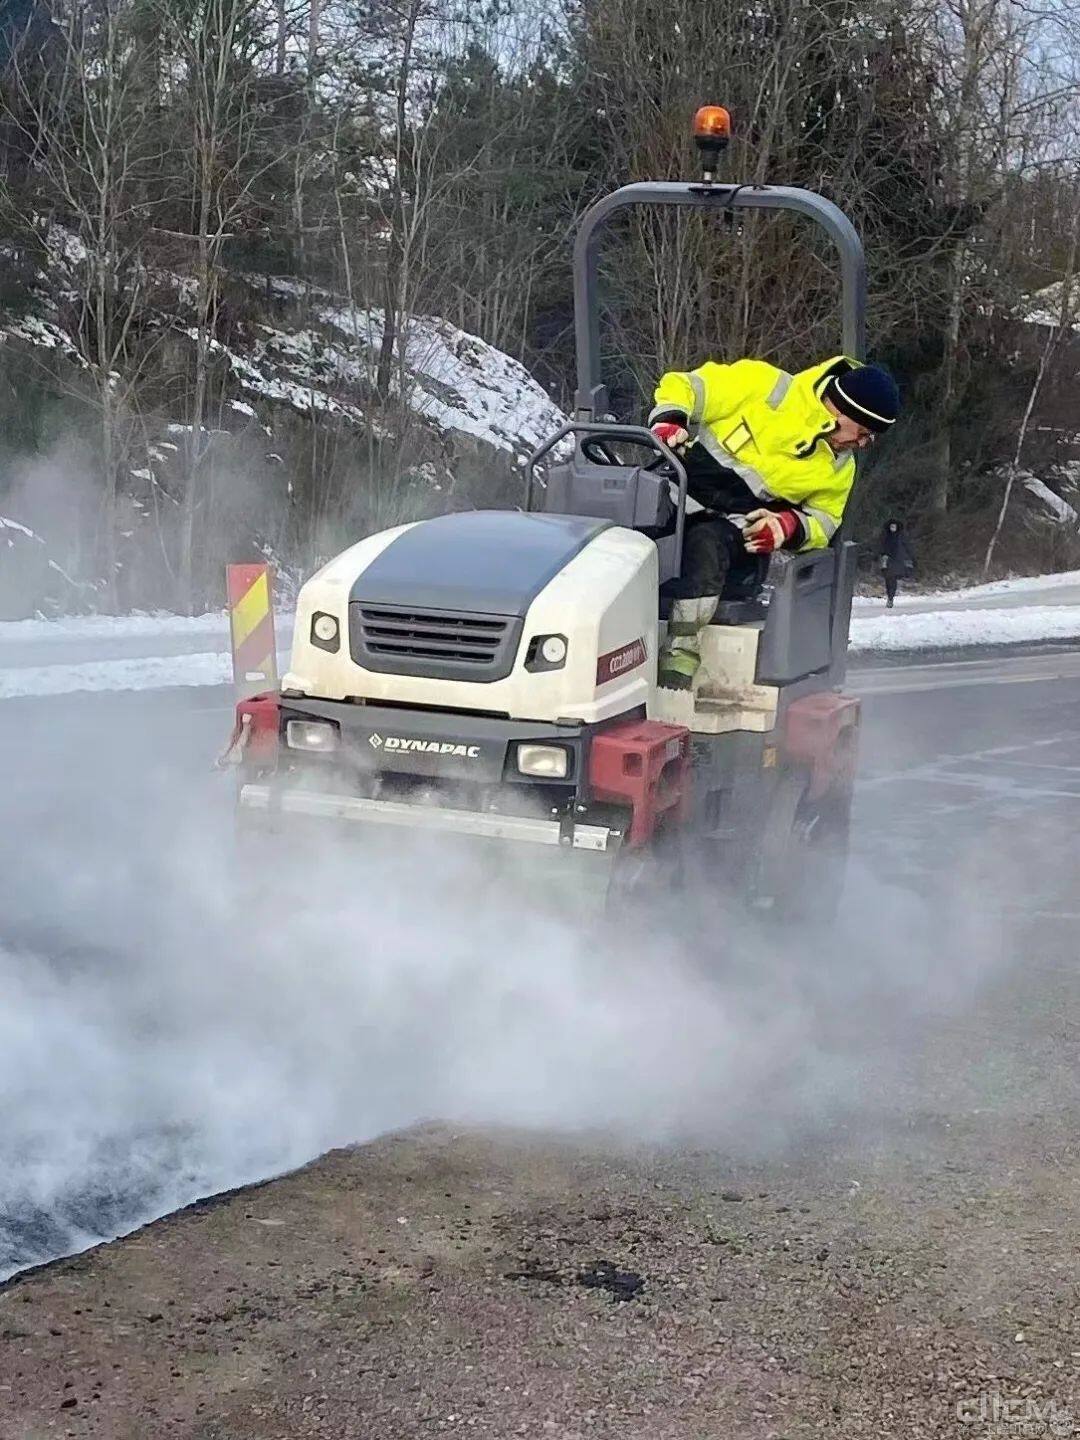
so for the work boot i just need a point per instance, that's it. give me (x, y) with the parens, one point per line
(677, 669)
(680, 658)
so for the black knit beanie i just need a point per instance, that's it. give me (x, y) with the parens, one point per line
(867, 395)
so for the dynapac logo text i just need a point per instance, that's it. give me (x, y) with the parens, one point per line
(401, 743)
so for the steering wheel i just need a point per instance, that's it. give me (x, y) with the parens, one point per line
(595, 448)
(661, 465)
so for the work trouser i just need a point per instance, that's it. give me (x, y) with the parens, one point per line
(714, 557)
(713, 553)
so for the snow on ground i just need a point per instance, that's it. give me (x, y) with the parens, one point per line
(946, 629)
(151, 673)
(933, 630)
(92, 627)
(57, 657)
(1018, 582)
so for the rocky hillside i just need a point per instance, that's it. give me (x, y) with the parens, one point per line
(307, 445)
(292, 367)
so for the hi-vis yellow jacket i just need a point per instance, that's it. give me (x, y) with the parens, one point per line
(770, 429)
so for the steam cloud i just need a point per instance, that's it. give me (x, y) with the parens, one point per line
(175, 1025)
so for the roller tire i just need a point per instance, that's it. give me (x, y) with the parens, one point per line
(804, 849)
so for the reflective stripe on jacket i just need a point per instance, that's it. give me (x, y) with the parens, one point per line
(770, 429)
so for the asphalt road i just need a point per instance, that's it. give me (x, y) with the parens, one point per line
(963, 855)
(835, 1180)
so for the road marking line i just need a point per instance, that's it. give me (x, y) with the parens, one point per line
(932, 770)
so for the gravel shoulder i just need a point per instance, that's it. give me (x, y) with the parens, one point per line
(489, 1282)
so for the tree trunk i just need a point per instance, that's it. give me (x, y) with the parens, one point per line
(946, 398)
(194, 449)
(396, 260)
(108, 465)
(314, 35)
(282, 38)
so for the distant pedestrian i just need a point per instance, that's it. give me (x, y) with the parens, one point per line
(896, 562)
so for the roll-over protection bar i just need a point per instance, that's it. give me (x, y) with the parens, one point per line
(591, 400)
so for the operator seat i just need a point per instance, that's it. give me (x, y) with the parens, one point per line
(800, 601)
(741, 600)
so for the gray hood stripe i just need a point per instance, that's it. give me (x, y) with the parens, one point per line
(488, 562)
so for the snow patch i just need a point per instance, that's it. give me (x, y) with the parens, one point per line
(153, 673)
(36, 331)
(22, 529)
(946, 629)
(92, 627)
(1044, 307)
(65, 247)
(1060, 509)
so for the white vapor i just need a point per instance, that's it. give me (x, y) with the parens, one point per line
(175, 1025)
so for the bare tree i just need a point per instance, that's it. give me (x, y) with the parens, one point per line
(998, 105)
(216, 99)
(1060, 327)
(93, 147)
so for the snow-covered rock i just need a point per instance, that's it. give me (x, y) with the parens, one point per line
(455, 380)
(1057, 508)
(1048, 306)
(455, 383)
(24, 569)
(31, 581)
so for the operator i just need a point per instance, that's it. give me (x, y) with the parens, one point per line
(771, 457)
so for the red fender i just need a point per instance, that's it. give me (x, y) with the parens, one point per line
(644, 764)
(820, 733)
(255, 733)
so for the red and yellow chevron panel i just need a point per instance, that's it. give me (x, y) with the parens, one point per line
(251, 615)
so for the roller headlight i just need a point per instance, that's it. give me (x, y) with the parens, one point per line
(547, 762)
(315, 736)
(546, 652)
(325, 631)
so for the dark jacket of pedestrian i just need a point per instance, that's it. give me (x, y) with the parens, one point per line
(896, 556)
(897, 562)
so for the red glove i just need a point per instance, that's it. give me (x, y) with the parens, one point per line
(770, 530)
(671, 433)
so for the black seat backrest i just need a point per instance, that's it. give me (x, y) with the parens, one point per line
(797, 637)
(624, 494)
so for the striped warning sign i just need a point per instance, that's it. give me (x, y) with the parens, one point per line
(251, 615)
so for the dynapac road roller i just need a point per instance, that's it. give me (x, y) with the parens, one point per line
(491, 675)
